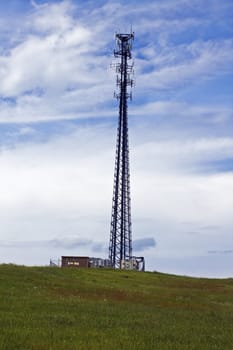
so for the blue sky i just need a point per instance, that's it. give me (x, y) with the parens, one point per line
(58, 124)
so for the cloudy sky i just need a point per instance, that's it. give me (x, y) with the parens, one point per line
(58, 121)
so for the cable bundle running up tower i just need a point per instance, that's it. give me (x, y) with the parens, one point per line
(120, 247)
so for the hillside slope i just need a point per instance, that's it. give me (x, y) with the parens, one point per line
(46, 308)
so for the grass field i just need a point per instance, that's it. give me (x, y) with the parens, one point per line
(48, 308)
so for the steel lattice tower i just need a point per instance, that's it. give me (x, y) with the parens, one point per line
(120, 247)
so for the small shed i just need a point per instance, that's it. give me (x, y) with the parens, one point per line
(75, 261)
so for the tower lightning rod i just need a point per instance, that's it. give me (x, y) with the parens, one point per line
(120, 245)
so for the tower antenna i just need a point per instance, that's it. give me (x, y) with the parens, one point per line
(120, 245)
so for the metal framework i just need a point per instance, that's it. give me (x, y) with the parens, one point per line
(120, 246)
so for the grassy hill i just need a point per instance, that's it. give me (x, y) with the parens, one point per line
(46, 308)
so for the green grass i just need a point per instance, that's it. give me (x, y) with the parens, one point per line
(46, 308)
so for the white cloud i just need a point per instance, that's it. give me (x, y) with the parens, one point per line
(64, 54)
(63, 189)
(204, 114)
(198, 61)
(52, 17)
(36, 5)
(196, 149)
